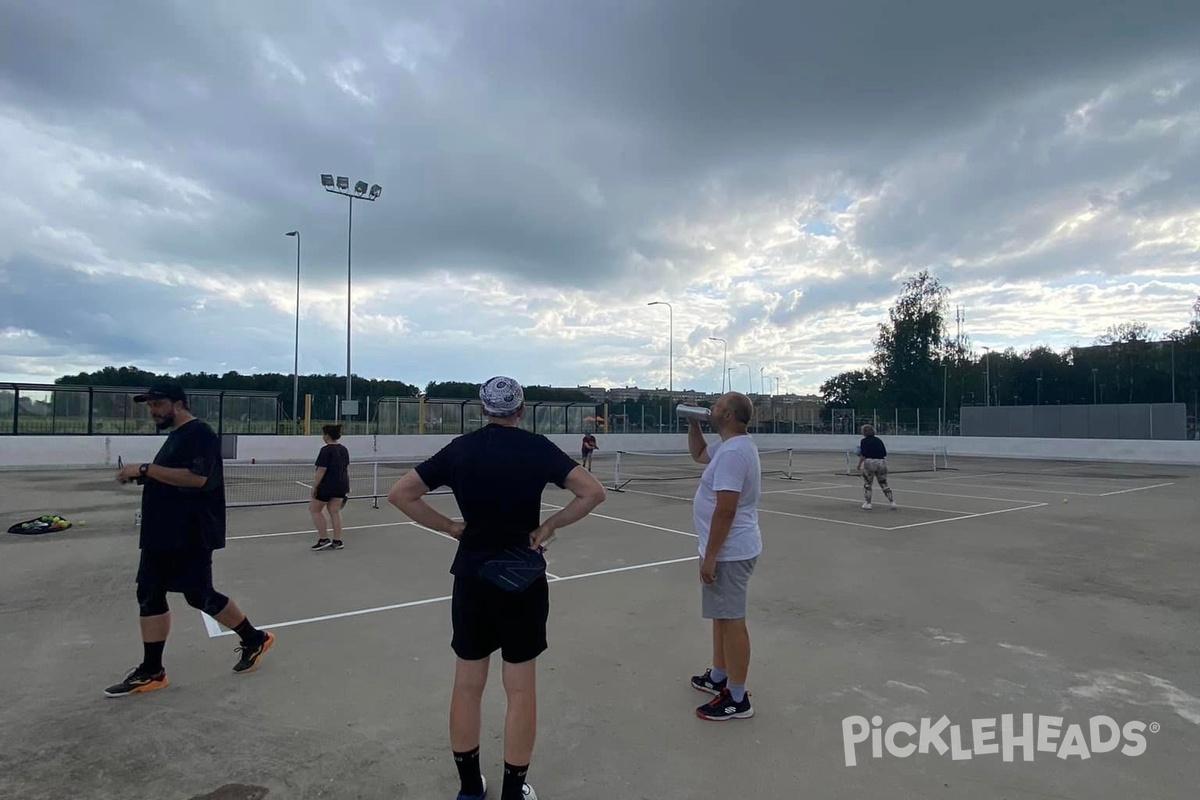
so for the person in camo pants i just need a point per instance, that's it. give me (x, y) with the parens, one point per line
(872, 465)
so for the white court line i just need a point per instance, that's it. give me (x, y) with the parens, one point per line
(1138, 489)
(1026, 489)
(313, 530)
(966, 496)
(859, 500)
(810, 486)
(211, 625)
(1022, 481)
(967, 516)
(657, 494)
(823, 519)
(635, 522)
(627, 569)
(957, 477)
(413, 603)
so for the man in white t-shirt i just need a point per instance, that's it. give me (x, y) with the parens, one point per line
(725, 515)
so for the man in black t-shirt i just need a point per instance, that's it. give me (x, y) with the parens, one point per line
(183, 522)
(498, 474)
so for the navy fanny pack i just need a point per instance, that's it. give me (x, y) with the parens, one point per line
(514, 569)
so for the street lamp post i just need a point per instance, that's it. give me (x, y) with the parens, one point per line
(296, 354)
(724, 354)
(361, 192)
(749, 380)
(761, 384)
(671, 353)
(987, 376)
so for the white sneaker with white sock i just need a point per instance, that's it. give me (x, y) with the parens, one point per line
(867, 506)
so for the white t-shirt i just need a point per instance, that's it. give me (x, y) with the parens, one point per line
(734, 466)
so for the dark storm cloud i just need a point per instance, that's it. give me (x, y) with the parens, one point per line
(531, 141)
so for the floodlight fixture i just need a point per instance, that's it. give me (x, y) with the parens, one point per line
(327, 180)
(343, 183)
(360, 187)
(376, 190)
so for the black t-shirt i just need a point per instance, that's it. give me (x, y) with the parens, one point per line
(176, 518)
(589, 443)
(335, 458)
(872, 447)
(498, 474)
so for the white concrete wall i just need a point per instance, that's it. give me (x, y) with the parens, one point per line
(25, 452)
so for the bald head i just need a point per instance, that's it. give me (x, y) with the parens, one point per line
(737, 406)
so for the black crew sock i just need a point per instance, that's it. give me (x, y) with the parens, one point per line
(514, 782)
(468, 772)
(152, 658)
(248, 633)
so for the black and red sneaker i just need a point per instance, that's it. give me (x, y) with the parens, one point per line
(723, 707)
(138, 681)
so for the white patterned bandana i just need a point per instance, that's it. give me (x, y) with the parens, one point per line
(501, 396)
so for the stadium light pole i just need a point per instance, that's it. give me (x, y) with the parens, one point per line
(761, 385)
(296, 355)
(749, 379)
(724, 357)
(361, 192)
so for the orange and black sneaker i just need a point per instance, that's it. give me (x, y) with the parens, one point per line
(251, 654)
(138, 681)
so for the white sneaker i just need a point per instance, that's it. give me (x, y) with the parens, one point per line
(528, 792)
(894, 505)
(867, 506)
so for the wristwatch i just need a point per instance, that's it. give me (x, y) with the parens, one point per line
(143, 469)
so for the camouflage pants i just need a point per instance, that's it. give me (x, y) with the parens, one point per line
(875, 469)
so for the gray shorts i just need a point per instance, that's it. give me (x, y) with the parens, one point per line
(725, 598)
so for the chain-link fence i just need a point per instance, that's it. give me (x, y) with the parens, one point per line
(39, 409)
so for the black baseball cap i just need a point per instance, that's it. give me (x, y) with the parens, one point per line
(163, 390)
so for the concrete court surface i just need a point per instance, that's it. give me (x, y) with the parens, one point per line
(984, 595)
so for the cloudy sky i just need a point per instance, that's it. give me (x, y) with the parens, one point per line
(774, 170)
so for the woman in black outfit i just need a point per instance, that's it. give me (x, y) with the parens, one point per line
(331, 482)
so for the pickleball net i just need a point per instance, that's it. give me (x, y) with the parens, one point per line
(636, 467)
(276, 484)
(932, 459)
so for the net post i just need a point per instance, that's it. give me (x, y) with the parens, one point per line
(617, 472)
(375, 484)
(790, 471)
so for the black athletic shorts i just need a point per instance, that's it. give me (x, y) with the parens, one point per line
(175, 570)
(326, 495)
(486, 618)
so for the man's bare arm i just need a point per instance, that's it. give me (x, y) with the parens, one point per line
(696, 444)
(408, 495)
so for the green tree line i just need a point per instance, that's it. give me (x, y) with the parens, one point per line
(918, 364)
(317, 385)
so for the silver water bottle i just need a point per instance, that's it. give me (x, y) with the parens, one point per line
(698, 413)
